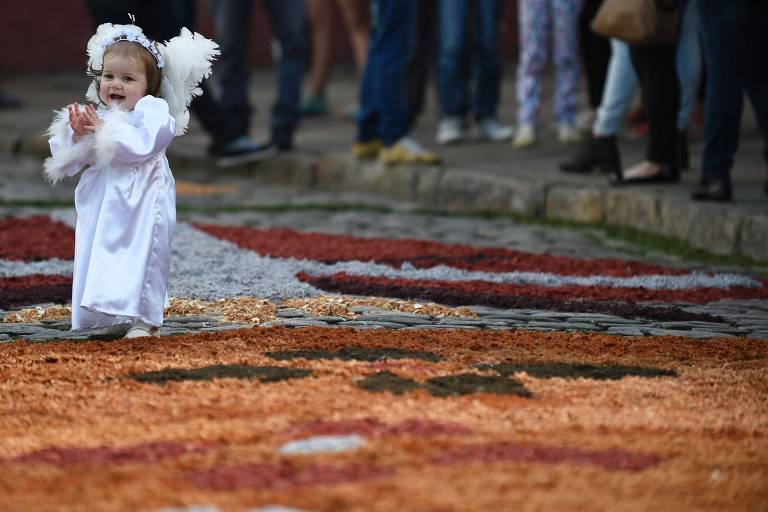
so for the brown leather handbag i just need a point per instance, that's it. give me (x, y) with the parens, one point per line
(639, 22)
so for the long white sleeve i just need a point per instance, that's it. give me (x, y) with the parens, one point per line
(126, 139)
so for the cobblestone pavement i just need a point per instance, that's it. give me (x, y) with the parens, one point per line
(734, 317)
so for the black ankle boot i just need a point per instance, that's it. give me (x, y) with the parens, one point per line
(282, 137)
(683, 160)
(601, 153)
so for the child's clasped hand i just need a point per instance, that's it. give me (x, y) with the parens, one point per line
(83, 121)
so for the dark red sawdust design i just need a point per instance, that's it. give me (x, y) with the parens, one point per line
(143, 453)
(35, 239)
(327, 248)
(34, 289)
(611, 460)
(603, 293)
(280, 475)
(372, 427)
(479, 293)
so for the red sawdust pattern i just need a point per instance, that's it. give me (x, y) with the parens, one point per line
(480, 293)
(35, 239)
(328, 248)
(143, 453)
(697, 295)
(372, 427)
(34, 289)
(611, 460)
(280, 475)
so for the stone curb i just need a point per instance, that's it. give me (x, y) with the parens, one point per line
(720, 229)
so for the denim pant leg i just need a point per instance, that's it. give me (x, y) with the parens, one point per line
(688, 63)
(384, 110)
(232, 19)
(487, 63)
(452, 72)
(725, 52)
(565, 22)
(288, 21)
(535, 23)
(620, 89)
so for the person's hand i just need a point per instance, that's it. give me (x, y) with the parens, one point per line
(77, 121)
(91, 119)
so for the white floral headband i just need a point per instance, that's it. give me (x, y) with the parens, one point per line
(134, 34)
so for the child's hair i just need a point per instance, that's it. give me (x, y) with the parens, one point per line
(134, 50)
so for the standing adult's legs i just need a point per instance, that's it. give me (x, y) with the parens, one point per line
(423, 56)
(757, 74)
(656, 70)
(390, 50)
(601, 151)
(319, 15)
(724, 41)
(288, 20)
(688, 63)
(595, 52)
(568, 71)
(488, 69)
(452, 72)
(357, 19)
(232, 19)
(534, 18)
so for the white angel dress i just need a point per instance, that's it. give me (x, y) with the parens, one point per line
(126, 212)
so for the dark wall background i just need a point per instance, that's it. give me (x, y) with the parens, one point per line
(39, 36)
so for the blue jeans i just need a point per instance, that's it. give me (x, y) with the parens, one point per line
(621, 84)
(384, 111)
(735, 41)
(287, 19)
(452, 63)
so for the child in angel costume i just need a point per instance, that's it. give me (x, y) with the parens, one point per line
(126, 198)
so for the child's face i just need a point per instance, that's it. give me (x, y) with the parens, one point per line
(123, 81)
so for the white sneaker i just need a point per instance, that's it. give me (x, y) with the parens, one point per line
(568, 134)
(525, 137)
(492, 130)
(585, 120)
(449, 131)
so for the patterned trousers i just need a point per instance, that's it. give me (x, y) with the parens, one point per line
(540, 22)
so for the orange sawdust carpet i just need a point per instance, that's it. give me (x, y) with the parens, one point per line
(449, 421)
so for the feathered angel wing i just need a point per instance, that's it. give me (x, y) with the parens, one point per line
(188, 60)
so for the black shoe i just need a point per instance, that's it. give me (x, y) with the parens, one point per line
(601, 153)
(667, 174)
(242, 150)
(683, 159)
(282, 138)
(712, 191)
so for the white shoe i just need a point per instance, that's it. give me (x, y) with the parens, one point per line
(450, 131)
(492, 130)
(525, 137)
(568, 134)
(140, 330)
(585, 120)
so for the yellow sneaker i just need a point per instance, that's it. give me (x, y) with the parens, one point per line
(525, 137)
(407, 151)
(369, 149)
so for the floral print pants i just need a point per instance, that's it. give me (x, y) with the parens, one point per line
(540, 22)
